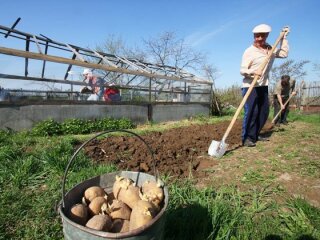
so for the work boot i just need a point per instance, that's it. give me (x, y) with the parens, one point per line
(249, 143)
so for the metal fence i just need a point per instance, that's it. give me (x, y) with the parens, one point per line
(308, 95)
(192, 94)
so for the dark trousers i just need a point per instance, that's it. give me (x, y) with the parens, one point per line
(256, 112)
(276, 105)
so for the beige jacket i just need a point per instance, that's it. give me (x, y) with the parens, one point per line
(252, 59)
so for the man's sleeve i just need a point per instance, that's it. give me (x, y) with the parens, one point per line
(245, 68)
(277, 89)
(284, 49)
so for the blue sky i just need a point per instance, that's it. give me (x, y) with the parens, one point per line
(220, 29)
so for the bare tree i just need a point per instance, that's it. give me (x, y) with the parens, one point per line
(316, 68)
(114, 45)
(294, 69)
(168, 50)
(163, 50)
(212, 73)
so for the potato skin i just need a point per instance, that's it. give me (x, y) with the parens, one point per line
(129, 196)
(120, 226)
(119, 210)
(93, 192)
(95, 205)
(119, 184)
(100, 223)
(142, 213)
(153, 192)
(79, 213)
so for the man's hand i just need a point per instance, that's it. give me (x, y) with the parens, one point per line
(258, 73)
(286, 30)
(294, 93)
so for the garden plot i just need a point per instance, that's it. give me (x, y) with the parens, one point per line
(282, 164)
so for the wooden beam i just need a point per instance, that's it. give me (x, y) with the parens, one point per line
(16, 77)
(32, 55)
(69, 67)
(13, 26)
(44, 62)
(26, 63)
(37, 43)
(81, 83)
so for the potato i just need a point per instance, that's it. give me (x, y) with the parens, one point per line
(120, 226)
(125, 191)
(79, 213)
(120, 210)
(129, 196)
(100, 223)
(153, 191)
(95, 205)
(142, 213)
(93, 192)
(120, 182)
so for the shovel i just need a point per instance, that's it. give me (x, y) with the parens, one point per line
(217, 149)
(285, 104)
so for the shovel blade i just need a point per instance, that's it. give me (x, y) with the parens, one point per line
(217, 149)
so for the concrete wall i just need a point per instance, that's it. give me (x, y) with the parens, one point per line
(19, 117)
(174, 112)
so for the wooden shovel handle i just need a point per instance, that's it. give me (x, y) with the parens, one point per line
(254, 81)
(274, 119)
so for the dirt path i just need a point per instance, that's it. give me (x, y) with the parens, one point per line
(282, 162)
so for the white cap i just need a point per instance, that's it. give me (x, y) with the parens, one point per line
(87, 71)
(262, 28)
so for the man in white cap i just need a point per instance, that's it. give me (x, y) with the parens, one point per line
(256, 108)
(96, 84)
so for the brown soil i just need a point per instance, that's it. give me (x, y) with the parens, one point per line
(182, 152)
(177, 152)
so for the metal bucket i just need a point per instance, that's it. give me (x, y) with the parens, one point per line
(74, 231)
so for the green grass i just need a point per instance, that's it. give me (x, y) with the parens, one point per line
(31, 175)
(230, 214)
(30, 184)
(299, 116)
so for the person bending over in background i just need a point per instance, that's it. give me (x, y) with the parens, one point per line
(95, 83)
(281, 95)
(256, 108)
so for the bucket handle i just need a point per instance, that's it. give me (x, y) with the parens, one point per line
(94, 137)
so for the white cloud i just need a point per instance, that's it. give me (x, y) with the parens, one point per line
(202, 36)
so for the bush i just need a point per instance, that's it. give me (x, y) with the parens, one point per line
(79, 126)
(47, 128)
(125, 123)
(73, 126)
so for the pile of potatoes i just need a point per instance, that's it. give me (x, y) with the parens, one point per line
(126, 208)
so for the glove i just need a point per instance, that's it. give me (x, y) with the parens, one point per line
(286, 31)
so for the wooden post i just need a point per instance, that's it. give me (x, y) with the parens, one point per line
(150, 90)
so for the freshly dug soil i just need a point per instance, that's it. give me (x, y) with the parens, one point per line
(177, 152)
